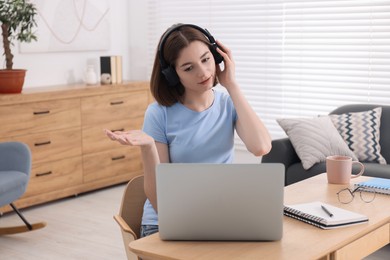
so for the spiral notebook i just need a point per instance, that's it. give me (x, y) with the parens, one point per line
(314, 213)
(380, 185)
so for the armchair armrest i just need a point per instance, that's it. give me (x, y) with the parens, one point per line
(282, 152)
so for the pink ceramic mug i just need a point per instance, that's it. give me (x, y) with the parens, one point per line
(339, 169)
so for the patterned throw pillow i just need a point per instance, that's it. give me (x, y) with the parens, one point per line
(360, 130)
(314, 139)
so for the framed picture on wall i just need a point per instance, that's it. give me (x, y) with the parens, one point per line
(67, 25)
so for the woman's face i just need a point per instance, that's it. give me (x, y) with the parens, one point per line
(195, 67)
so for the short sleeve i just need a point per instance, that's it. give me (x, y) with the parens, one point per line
(227, 103)
(155, 123)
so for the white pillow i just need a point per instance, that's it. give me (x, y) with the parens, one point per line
(314, 139)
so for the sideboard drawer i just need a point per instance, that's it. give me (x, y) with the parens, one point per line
(39, 116)
(102, 109)
(52, 146)
(123, 161)
(94, 139)
(55, 175)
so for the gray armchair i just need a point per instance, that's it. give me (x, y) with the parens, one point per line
(15, 166)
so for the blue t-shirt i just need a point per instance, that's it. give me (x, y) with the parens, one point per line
(192, 137)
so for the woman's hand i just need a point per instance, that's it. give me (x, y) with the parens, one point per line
(150, 156)
(132, 137)
(226, 77)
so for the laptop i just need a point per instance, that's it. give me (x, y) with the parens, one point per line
(238, 202)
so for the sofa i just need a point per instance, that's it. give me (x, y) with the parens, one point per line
(283, 150)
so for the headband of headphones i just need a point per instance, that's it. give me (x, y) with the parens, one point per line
(166, 69)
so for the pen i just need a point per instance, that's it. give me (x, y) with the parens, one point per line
(327, 211)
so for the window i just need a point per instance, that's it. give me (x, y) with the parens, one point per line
(294, 58)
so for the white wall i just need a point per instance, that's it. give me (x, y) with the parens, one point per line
(138, 40)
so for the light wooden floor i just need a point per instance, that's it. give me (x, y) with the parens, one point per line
(78, 228)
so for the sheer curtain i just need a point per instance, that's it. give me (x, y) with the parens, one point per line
(293, 58)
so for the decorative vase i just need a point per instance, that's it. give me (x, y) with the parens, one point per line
(11, 81)
(90, 76)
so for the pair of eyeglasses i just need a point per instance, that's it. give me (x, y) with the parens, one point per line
(347, 195)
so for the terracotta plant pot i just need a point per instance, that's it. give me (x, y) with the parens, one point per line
(11, 81)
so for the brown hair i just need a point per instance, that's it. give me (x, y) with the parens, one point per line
(177, 40)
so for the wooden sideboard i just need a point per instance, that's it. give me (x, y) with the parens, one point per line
(63, 126)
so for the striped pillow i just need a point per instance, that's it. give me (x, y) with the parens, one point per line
(360, 130)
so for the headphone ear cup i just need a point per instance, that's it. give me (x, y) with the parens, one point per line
(171, 76)
(217, 57)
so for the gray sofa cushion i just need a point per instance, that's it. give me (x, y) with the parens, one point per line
(295, 172)
(377, 170)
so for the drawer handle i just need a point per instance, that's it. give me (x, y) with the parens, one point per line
(118, 130)
(118, 158)
(43, 173)
(116, 103)
(43, 143)
(42, 112)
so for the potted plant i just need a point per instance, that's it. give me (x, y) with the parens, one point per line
(17, 19)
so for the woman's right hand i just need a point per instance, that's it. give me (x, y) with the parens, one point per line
(226, 77)
(132, 137)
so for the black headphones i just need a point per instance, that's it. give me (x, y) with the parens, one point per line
(167, 70)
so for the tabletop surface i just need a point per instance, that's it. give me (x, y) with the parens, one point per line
(300, 240)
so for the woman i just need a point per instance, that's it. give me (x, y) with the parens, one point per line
(190, 121)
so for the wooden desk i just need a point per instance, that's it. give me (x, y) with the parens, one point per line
(300, 240)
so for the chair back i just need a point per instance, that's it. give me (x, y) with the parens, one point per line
(15, 167)
(130, 213)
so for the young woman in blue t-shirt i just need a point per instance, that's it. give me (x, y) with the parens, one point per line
(191, 122)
